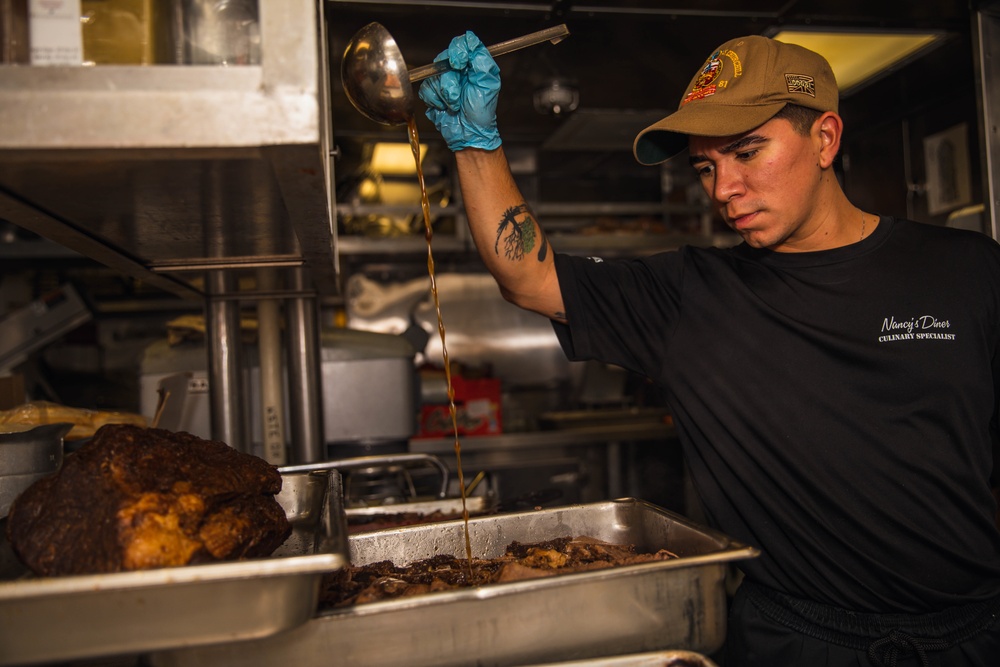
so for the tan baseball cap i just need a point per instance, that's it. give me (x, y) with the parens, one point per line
(741, 86)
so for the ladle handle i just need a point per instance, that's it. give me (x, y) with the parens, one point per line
(554, 34)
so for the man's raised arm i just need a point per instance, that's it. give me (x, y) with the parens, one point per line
(462, 105)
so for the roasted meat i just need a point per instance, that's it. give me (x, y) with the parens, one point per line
(385, 581)
(136, 498)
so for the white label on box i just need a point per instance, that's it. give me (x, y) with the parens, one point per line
(56, 36)
(478, 408)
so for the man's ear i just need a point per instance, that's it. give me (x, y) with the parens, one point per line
(828, 128)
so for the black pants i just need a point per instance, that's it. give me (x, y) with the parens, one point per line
(769, 629)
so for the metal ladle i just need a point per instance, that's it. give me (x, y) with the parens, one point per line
(378, 84)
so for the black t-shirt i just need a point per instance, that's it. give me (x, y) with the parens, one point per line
(837, 408)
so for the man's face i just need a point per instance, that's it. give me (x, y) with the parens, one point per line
(764, 184)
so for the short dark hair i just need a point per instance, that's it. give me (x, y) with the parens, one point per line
(801, 118)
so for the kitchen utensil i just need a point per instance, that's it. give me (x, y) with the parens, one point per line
(173, 392)
(475, 482)
(376, 79)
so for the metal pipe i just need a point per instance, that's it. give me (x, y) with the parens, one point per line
(272, 403)
(225, 363)
(186, 265)
(305, 395)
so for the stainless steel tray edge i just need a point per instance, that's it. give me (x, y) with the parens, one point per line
(370, 547)
(60, 618)
(555, 582)
(37, 589)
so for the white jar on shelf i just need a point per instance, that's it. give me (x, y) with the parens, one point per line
(55, 36)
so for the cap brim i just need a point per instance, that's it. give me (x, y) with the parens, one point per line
(667, 137)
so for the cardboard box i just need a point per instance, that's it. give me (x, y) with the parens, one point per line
(477, 410)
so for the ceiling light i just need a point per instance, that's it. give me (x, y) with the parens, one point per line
(557, 97)
(859, 57)
(395, 159)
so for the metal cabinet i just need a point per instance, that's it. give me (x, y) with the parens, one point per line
(166, 171)
(190, 178)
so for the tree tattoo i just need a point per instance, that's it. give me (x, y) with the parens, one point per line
(518, 235)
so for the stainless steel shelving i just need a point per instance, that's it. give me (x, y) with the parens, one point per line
(165, 172)
(191, 178)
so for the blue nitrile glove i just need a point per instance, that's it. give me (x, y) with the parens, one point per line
(462, 102)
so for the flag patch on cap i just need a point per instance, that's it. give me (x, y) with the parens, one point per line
(801, 83)
(706, 83)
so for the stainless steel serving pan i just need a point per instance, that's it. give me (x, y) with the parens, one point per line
(28, 453)
(358, 515)
(378, 462)
(73, 617)
(677, 604)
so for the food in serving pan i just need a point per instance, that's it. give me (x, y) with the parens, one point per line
(136, 498)
(385, 581)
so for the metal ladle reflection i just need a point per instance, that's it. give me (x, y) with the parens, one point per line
(378, 84)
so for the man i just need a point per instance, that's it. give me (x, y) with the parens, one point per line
(833, 378)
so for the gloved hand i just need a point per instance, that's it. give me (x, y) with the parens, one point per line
(462, 102)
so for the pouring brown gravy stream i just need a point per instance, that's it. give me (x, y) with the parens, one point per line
(429, 235)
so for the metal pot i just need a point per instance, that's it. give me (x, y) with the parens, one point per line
(27, 455)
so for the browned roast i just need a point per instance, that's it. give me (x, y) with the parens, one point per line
(385, 581)
(137, 498)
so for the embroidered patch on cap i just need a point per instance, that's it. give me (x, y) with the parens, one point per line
(707, 82)
(801, 83)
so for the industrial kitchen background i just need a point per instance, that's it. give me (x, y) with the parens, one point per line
(233, 233)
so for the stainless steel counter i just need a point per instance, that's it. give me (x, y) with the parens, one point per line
(567, 437)
(597, 455)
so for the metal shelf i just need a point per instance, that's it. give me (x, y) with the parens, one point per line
(564, 238)
(166, 172)
(190, 178)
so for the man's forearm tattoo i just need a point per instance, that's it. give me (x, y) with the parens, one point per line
(518, 234)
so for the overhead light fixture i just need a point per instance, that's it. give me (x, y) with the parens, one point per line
(395, 159)
(860, 57)
(557, 97)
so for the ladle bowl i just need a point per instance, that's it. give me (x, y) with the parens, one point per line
(378, 83)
